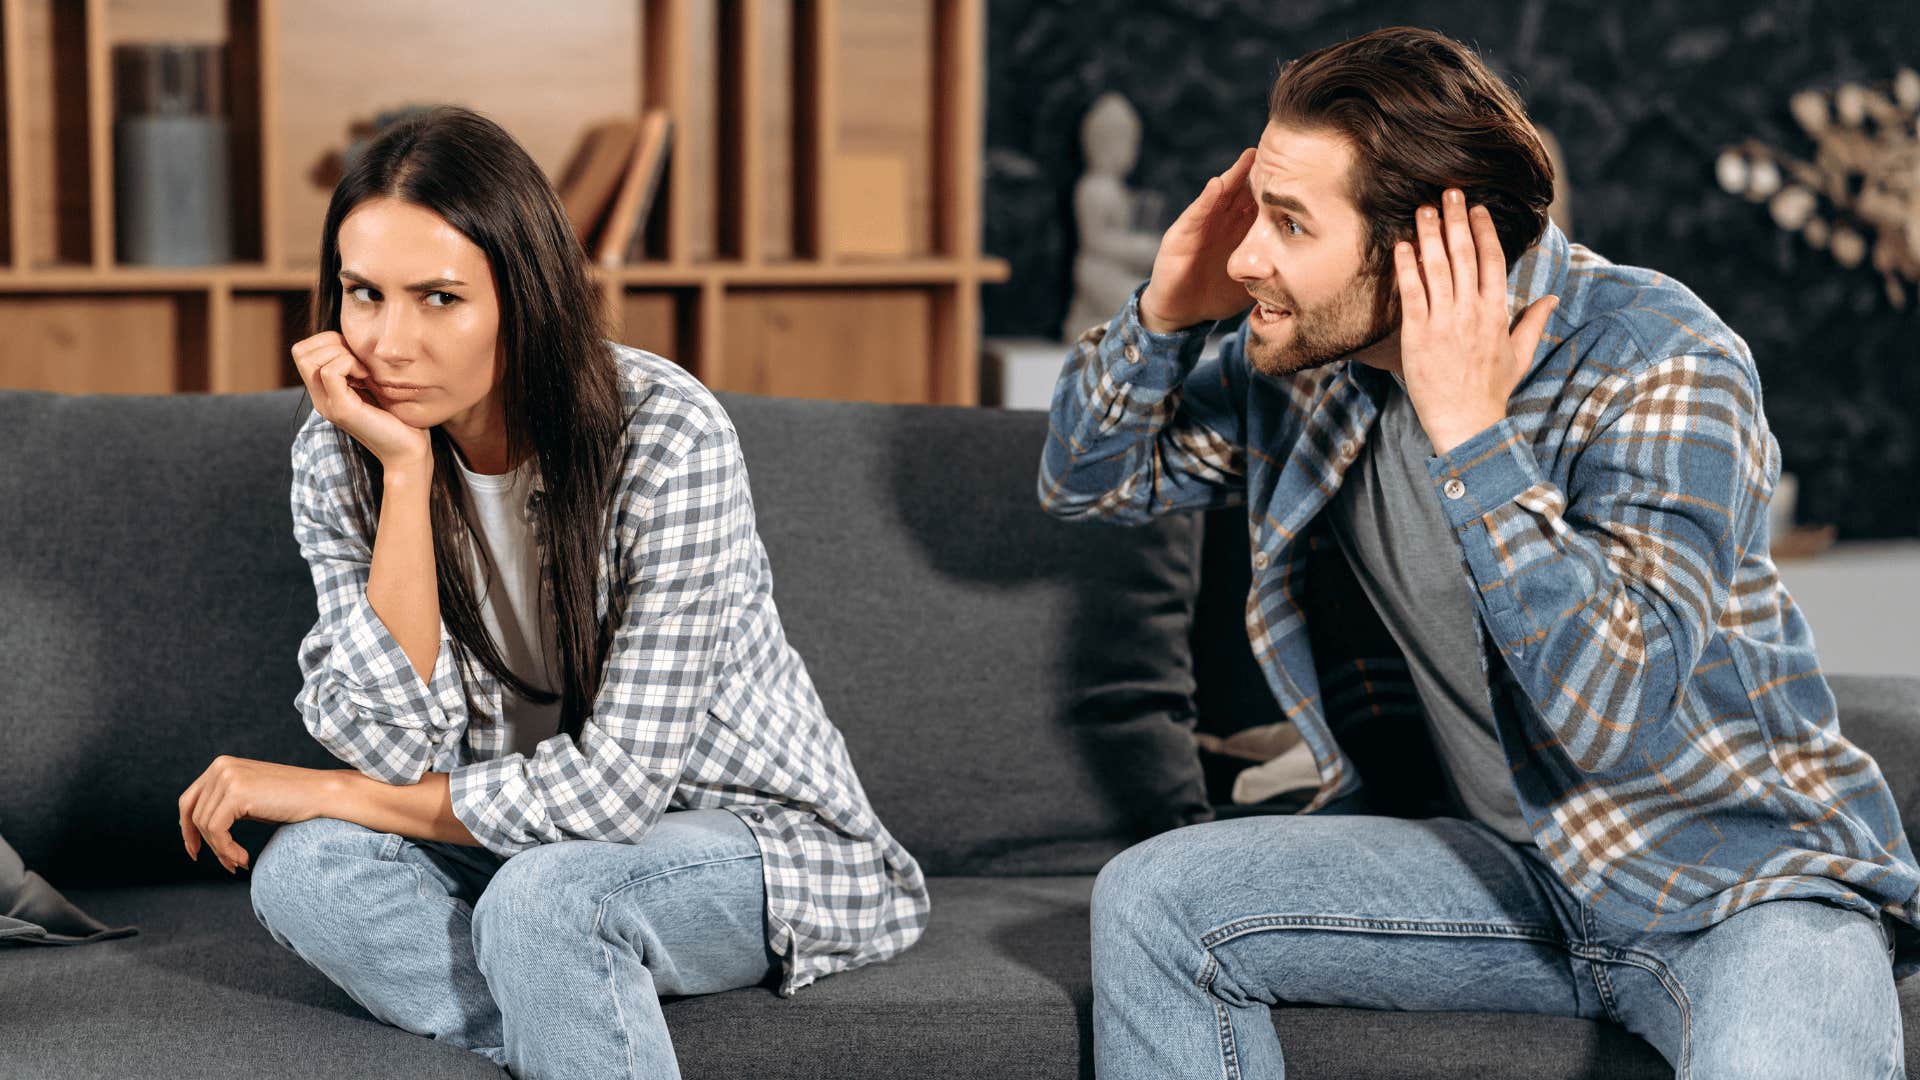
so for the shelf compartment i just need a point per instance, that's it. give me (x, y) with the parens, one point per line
(123, 343)
(863, 344)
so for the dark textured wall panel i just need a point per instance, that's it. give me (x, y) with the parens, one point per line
(1642, 98)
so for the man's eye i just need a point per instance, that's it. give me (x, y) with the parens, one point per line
(355, 292)
(1293, 227)
(449, 298)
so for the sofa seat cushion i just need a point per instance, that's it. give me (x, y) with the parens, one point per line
(999, 987)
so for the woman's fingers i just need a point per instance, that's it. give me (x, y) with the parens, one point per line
(214, 818)
(190, 836)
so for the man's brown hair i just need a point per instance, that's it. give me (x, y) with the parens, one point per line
(1422, 113)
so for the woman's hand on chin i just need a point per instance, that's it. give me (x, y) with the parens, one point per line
(240, 789)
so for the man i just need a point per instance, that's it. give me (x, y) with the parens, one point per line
(1549, 479)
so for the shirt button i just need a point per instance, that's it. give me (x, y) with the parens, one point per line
(1259, 560)
(1454, 488)
(756, 815)
(1347, 449)
(1133, 354)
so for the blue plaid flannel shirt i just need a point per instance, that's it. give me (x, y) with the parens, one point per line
(703, 703)
(1675, 750)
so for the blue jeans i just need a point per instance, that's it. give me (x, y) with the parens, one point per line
(1197, 932)
(551, 962)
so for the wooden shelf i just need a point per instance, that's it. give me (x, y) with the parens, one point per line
(821, 200)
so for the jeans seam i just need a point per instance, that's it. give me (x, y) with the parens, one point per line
(600, 910)
(619, 1014)
(1222, 1019)
(1433, 927)
(1658, 969)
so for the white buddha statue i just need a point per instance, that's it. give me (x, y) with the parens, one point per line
(1115, 255)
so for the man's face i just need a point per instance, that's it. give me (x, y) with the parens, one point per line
(1303, 259)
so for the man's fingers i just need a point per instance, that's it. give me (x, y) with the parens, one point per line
(1493, 260)
(1433, 258)
(1531, 327)
(1413, 294)
(1460, 247)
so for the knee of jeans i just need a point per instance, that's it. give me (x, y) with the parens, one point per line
(529, 908)
(1137, 887)
(287, 875)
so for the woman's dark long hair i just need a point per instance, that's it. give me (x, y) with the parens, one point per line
(560, 387)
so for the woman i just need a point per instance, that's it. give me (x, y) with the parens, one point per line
(588, 769)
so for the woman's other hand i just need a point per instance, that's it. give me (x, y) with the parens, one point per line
(239, 789)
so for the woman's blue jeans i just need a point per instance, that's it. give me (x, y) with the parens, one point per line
(552, 962)
(1198, 931)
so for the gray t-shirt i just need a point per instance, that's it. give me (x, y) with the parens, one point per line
(1389, 524)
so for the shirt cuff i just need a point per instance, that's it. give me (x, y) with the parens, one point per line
(1483, 474)
(1141, 356)
(498, 805)
(373, 671)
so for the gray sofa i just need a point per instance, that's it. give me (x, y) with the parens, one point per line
(1015, 693)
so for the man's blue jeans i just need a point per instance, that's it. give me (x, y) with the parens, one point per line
(1198, 931)
(551, 962)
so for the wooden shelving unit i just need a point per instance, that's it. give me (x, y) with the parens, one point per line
(762, 271)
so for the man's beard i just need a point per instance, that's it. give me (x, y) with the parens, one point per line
(1360, 315)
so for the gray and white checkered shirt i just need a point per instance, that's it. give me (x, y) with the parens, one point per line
(703, 703)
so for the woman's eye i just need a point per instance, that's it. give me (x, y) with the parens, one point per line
(449, 299)
(355, 292)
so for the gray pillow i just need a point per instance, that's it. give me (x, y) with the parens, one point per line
(36, 913)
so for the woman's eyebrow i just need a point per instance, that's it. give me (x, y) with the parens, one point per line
(429, 285)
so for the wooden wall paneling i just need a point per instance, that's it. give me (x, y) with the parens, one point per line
(884, 140)
(166, 20)
(953, 352)
(740, 103)
(698, 132)
(249, 60)
(99, 66)
(959, 101)
(704, 353)
(664, 24)
(91, 343)
(199, 339)
(853, 344)
(57, 133)
(816, 124)
(682, 62)
(13, 212)
(657, 320)
(772, 130)
(544, 78)
(262, 328)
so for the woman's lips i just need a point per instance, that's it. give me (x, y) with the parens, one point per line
(398, 393)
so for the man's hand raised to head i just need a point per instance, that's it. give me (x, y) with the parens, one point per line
(1457, 355)
(1190, 283)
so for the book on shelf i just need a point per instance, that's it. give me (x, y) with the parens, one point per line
(621, 236)
(592, 178)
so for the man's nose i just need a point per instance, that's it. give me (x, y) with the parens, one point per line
(1252, 260)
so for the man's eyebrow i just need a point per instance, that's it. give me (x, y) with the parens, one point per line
(1286, 202)
(429, 285)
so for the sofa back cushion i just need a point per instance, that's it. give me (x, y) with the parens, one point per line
(1016, 692)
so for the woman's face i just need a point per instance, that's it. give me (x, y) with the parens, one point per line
(418, 307)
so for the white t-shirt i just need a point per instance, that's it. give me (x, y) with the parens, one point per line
(510, 604)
